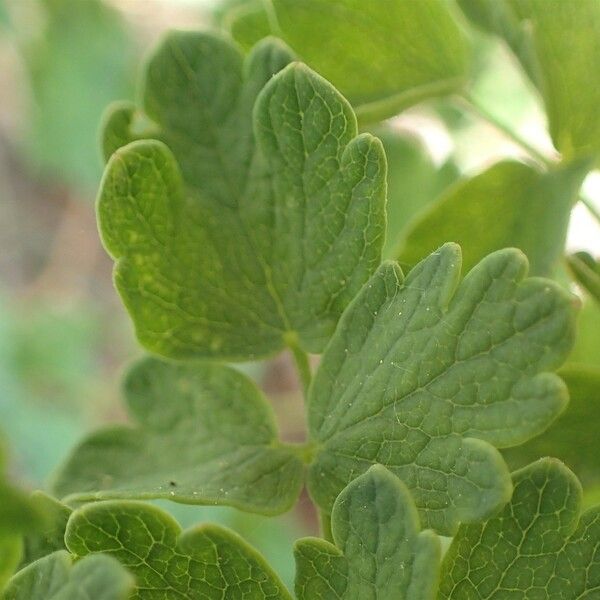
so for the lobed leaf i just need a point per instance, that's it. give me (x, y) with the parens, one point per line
(55, 577)
(256, 218)
(426, 376)
(572, 438)
(379, 551)
(495, 210)
(204, 435)
(203, 562)
(537, 547)
(384, 56)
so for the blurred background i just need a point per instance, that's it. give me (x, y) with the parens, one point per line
(64, 336)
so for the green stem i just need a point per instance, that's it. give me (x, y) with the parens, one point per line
(302, 364)
(470, 103)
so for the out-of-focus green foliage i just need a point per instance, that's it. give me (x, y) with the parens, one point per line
(78, 61)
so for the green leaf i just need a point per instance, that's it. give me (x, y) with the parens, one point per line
(567, 44)
(55, 577)
(573, 437)
(586, 270)
(508, 205)
(537, 547)
(213, 442)
(50, 537)
(558, 44)
(205, 561)
(18, 513)
(426, 375)
(499, 17)
(248, 233)
(69, 95)
(586, 351)
(383, 56)
(379, 550)
(414, 182)
(11, 549)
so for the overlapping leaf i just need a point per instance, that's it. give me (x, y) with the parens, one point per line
(50, 536)
(497, 209)
(55, 577)
(537, 547)
(247, 232)
(426, 375)
(586, 270)
(202, 562)
(384, 56)
(559, 46)
(379, 550)
(414, 183)
(204, 435)
(573, 437)
(18, 515)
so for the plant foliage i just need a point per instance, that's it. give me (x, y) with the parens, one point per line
(245, 210)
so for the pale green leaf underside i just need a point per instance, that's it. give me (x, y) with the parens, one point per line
(537, 547)
(55, 577)
(508, 205)
(426, 376)
(204, 435)
(382, 55)
(379, 552)
(205, 562)
(260, 221)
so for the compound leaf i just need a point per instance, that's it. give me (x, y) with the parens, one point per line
(55, 577)
(383, 56)
(205, 561)
(537, 547)
(508, 205)
(244, 234)
(586, 270)
(425, 376)
(205, 435)
(379, 551)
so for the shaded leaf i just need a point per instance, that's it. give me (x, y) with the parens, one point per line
(55, 577)
(573, 437)
(383, 56)
(586, 270)
(500, 18)
(242, 237)
(537, 547)
(11, 549)
(205, 561)
(508, 205)
(379, 550)
(204, 435)
(50, 537)
(426, 375)
(414, 182)
(558, 44)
